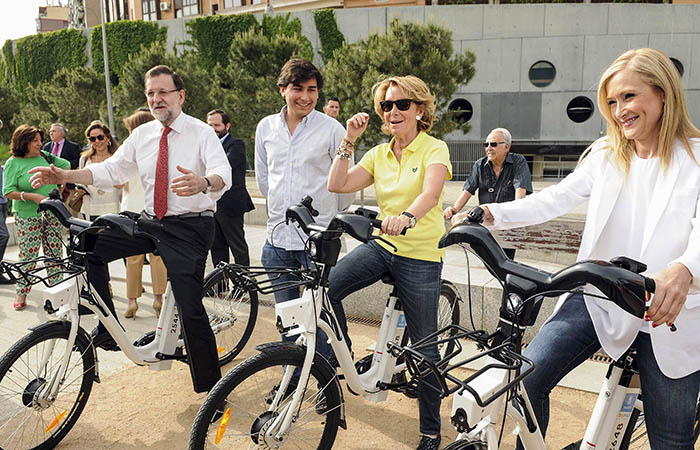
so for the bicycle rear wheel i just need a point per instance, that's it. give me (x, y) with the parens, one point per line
(244, 397)
(26, 421)
(232, 313)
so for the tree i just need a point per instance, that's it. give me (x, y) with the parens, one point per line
(74, 97)
(128, 96)
(407, 49)
(9, 106)
(247, 87)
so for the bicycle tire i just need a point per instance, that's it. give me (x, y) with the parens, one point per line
(448, 314)
(232, 313)
(463, 444)
(25, 424)
(244, 390)
(636, 434)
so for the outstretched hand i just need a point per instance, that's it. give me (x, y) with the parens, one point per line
(46, 175)
(188, 184)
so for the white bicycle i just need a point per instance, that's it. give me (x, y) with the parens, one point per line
(46, 377)
(482, 400)
(262, 404)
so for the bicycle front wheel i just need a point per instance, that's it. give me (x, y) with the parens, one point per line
(232, 313)
(636, 434)
(29, 419)
(244, 397)
(463, 444)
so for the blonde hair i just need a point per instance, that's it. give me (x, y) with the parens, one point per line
(111, 142)
(657, 70)
(415, 89)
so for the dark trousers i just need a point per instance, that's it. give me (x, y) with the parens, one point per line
(183, 245)
(229, 234)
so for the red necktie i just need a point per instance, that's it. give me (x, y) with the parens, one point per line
(160, 191)
(55, 148)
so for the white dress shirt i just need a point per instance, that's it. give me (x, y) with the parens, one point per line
(192, 144)
(289, 167)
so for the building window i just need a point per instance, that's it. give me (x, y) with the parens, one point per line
(542, 73)
(190, 7)
(149, 9)
(679, 65)
(579, 109)
(462, 110)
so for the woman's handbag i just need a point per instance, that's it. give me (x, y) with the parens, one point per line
(75, 201)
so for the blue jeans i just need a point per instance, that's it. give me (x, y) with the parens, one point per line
(277, 257)
(418, 284)
(569, 338)
(4, 234)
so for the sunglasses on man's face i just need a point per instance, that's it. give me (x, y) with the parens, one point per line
(101, 137)
(492, 144)
(403, 104)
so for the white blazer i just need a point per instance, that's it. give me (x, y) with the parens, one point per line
(671, 234)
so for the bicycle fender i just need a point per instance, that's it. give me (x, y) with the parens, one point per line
(319, 361)
(82, 334)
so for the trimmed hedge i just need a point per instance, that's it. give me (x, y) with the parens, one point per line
(40, 56)
(7, 62)
(212, 35)
(328, 33)
(124, 38)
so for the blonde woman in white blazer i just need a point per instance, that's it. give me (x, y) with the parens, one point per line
(642, 183)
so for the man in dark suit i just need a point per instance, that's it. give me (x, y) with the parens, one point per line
(235, 202)
(63, 148)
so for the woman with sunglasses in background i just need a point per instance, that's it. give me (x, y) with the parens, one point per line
(34, 229)
(500, 176)
(409, 176)
(102, 145)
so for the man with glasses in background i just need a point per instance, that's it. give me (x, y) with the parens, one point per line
(184, 171)
(500, 176)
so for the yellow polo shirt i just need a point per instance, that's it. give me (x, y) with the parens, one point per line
(398, 184)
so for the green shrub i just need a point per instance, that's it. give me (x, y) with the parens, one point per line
(331, 38)
(38, 57)
(124, 38)
(4, 152)
(212, 35)
(7, 62)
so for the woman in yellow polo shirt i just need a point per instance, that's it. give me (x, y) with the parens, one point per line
(409, 176)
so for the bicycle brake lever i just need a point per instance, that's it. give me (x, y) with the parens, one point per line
(373, 237)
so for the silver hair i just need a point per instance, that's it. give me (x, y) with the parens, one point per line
(506, 134)
(60, 125)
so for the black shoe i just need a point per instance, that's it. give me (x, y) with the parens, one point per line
(428, 443)
(104, 340)
(271, 395)
(5, 280)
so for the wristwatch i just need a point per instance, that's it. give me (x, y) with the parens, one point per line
(208, 188)
(411, 217)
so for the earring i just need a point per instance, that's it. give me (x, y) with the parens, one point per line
(418, 117)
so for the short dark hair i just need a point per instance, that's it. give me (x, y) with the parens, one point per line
(22, 136)
(224, 117)
(298, 70)
(164, 70)
(332, 99)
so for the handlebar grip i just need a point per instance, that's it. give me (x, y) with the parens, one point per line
(376, 223)
(649, 285)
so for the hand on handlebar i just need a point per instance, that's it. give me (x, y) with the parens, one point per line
(394, 225)
(46, 175)
(672, 286)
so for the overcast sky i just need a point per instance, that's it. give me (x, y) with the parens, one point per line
(18, 18)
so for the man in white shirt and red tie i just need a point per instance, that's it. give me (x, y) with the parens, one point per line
(184, 171)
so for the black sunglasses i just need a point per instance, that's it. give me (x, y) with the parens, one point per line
(492, 144)
(403, 104)
(97, 138)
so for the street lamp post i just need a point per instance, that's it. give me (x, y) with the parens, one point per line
(108, 85)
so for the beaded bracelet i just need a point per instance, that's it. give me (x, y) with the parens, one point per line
(343, 155)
